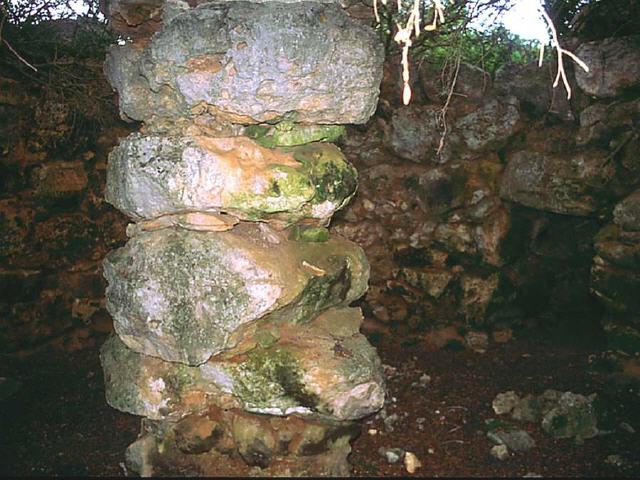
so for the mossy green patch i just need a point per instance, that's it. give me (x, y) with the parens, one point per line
(333, 177)
(289, 134)
(189, 259)
(266, 338)
(272, 378)
(323, 175)
(121, 371)
(309, 234)
(180, 378)
(290, 189)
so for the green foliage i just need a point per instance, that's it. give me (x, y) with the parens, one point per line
(488, 50)
(30, 12)
(57, 55)
(457, 40)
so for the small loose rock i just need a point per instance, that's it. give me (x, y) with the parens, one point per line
(505, 402)
(516, 440)
(477, 341)
(390, 421)
(501, 452)
(411, 462)
(392, 455)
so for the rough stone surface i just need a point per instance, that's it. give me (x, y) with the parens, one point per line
(627, 213)
(533, 87)
(490, 126)
(614, 66)
(559, 184)
(516, 440)
(250, 63)
(615, 285)
(501, 452)
(135, 18)
(142, 18)
(325, 367)
(243, 444)
(477, 293)
(179, 294)
(288, 134)
(151, 176)
(602, 122)
(415, 133)
(572, 417)
(432, 281)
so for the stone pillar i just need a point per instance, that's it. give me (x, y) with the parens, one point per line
(234, 336)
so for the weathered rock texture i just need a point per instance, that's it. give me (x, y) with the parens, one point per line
(55, 226)
(322, 67)
(571, 185)
(614, 66)
(496, 228)
(282, 369)
(179, 294)
(230, 300)
(231, 175)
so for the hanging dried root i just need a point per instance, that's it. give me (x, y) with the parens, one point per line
(406, 33)
(560, 52)
(411, 30)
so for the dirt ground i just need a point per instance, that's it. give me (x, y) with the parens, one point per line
(55, 421)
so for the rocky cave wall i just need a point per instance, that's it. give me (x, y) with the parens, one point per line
(55, 226)
(527, 214)
(525, 217)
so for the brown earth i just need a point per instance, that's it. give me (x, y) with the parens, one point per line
(58, 423)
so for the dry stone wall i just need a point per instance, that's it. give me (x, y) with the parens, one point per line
(498, 227)
(55, 226)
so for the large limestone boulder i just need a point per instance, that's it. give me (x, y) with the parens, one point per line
(247, 63)
(490, 126)
(614, 66)
(324, 367)
(149, 176)
(566, 184)
(180, 294)
(533, 87)
(415, 132)
(602, 122)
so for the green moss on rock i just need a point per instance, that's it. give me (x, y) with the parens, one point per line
(271, 377)
(289, 191)
(309, 234)
(121, 371)
(289, 134)
(334, 178)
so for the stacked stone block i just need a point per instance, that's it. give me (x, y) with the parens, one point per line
(234, 336)
(614, 118)
(615, 277)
